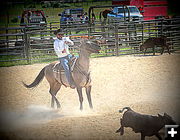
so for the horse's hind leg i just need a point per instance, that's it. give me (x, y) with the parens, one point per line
(79, 90)
(54, 88)
(57, 102)
(88, 93)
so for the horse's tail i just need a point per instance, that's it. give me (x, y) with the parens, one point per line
(121, 111)
(37, 80)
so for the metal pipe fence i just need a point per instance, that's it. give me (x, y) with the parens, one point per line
(29, 45)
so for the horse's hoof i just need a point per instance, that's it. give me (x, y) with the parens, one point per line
(117, 131)
(91, 107)
(58, 106)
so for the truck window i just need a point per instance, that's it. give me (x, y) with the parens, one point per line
(133, 10)
(121, 10)
(76, 12)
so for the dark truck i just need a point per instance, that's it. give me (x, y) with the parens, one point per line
(33, 18)
(73, 16)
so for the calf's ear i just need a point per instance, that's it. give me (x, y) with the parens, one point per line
(159, 115)
(165, 114)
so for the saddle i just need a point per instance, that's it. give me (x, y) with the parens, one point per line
(58, 68)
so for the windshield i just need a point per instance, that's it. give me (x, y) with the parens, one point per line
(121, 10)
(76, 11)
(133, 10)
(36, 14)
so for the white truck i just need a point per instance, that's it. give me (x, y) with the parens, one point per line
(125, 13)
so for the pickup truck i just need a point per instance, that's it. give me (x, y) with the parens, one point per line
(125, 13)
(33, 18)
(73, 16)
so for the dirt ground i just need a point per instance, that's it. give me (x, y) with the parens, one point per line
(147, 84)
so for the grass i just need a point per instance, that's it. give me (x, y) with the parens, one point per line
(40, 57)
(16, 60)
(12, 61)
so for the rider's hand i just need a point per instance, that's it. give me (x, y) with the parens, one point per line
(66, 42)
(64, 51)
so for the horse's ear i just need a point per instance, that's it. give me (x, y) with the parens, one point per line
(82, 41)
(101, 37)
(86, 39)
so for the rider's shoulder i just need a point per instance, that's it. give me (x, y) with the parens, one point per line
(56, 39)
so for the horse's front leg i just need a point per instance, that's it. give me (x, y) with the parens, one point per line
(52, 102)
(79, 90)
(88, 93)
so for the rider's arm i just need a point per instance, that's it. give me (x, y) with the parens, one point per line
(68, 41)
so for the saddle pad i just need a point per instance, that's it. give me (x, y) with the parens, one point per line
(59, 68)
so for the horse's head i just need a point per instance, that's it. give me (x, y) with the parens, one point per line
(89, 46)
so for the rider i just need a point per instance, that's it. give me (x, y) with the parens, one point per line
(61, 47)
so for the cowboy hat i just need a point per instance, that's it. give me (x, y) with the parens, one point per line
(59, 31)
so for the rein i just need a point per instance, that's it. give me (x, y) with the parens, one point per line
(83, 73)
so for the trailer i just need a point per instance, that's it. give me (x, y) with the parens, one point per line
(150, 9)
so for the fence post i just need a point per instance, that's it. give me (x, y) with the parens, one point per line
(50, 24)
(161, 27)
(116, 39)
(142, 33)
(89, 30)
(26, 45)
(7, 38)
(149, 31)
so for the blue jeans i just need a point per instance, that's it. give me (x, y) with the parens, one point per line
(65, 63)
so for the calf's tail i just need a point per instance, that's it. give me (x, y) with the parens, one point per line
(121, 111)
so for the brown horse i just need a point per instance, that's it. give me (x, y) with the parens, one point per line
(80, 75)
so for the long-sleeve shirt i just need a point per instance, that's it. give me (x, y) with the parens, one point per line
(60, 45)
